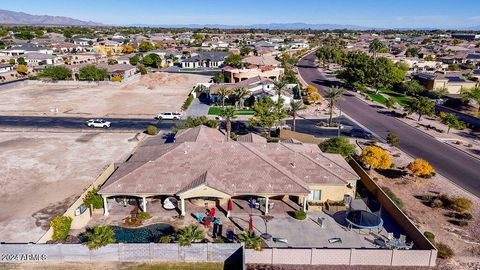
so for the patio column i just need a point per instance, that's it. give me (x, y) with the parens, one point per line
(105, 206)
(305, 204)
(266, 206)
(182, 206)
(144, 204)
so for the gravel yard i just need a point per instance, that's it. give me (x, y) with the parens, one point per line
(43, 173)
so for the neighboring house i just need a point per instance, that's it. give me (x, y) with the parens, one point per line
(299, 45)
(453, 82)
(40, 59)
(264, 60)
(234, 75)
(265, 44)
(83, 41)
(476, 74)
(420, 65)
(25, 49)
(200, 167)
(468, 37)
(258, 87)
(5, 67)
(205, 60)
(123, 70)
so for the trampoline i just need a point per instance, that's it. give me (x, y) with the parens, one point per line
(364, 220)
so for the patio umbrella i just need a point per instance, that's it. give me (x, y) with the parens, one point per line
(229, 208)
(250, 225)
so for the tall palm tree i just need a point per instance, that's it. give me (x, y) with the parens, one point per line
(333, 94)
(224, 92)
(190, 234)
(228, 114)
(295, 107)
(240, 94)
(100, 236)
(375, 46)
(278, 86)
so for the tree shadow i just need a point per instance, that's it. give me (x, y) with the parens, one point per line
(392, 173)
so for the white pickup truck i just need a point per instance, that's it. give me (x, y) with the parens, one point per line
(169, 116)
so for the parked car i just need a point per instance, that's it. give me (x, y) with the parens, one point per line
(98, 123)
(360, 133)
(169, 116)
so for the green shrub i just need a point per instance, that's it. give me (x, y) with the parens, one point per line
(338, 145)
(444, 251)
(93, 198)
(436, 203)
(393, 197)
(187, 102)
(461, 204)
(61, 227)
(300, 214)
(460, 223)
(143, 215)
(393, 139)
(142, 70)
(460, 216)
(152, 130)
(165, 239)
(430, 236)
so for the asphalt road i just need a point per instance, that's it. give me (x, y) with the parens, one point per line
(79, 123)
(457, 166)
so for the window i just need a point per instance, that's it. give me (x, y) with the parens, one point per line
(317, 194)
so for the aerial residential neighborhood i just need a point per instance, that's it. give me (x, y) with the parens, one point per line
(271, 135)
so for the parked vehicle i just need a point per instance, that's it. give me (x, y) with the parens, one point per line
(169, 116)
(360, 133)
(98, 123)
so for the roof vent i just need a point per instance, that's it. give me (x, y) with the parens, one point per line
(293, 164)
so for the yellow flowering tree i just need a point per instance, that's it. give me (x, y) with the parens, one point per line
(128, 49)
(117, 78)
(420, 167)
(376, 157)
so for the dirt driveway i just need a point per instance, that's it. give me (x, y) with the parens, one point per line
(41, 174)
(145, 98)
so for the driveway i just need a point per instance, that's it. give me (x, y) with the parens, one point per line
(199, 107)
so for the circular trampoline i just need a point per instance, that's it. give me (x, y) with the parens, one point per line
(364, 220)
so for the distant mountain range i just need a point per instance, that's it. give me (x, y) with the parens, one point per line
(20, 18)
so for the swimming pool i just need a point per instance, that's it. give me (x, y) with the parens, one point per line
(147, 234)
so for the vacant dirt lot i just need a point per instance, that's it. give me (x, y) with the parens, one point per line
(41, 174)
(152, 94)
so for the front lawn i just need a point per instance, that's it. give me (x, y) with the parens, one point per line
(217, 110)
(402, 100)
(378, 98)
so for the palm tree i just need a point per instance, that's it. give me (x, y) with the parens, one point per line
(240, 93)
(251, 240)
(190, 234)
(224, 92)
(375, 46)
(333, 94)
(228, 114)
(295, 107)
(100, 236)
(278, 86)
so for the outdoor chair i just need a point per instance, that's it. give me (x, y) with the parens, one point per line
(403, 238)
(199, 217)
(217, 220)
(390, 236)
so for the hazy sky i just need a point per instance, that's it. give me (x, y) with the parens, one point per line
(371, 13)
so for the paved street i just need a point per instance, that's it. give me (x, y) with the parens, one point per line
(457, 166)
(76, 123)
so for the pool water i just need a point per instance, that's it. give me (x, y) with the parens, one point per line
(147, 234)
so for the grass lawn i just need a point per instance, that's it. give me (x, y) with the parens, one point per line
(377, 98)
(179, 266)
(217, 110)
(401, 99)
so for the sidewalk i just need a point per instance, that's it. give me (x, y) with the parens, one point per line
(462, 140)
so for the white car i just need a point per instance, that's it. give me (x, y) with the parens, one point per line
(169, 116)
(98, 123)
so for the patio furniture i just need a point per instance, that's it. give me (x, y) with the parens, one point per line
(230, 235)
(389, 236)
(217, 220)
(335, 240)
(208, 219)
(168, 204)
(271, 205)
(403, 238)
(199, 217)
(280, 240)
(321, 222)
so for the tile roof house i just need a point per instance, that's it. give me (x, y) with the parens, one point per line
(200, 163)
(454, 82)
